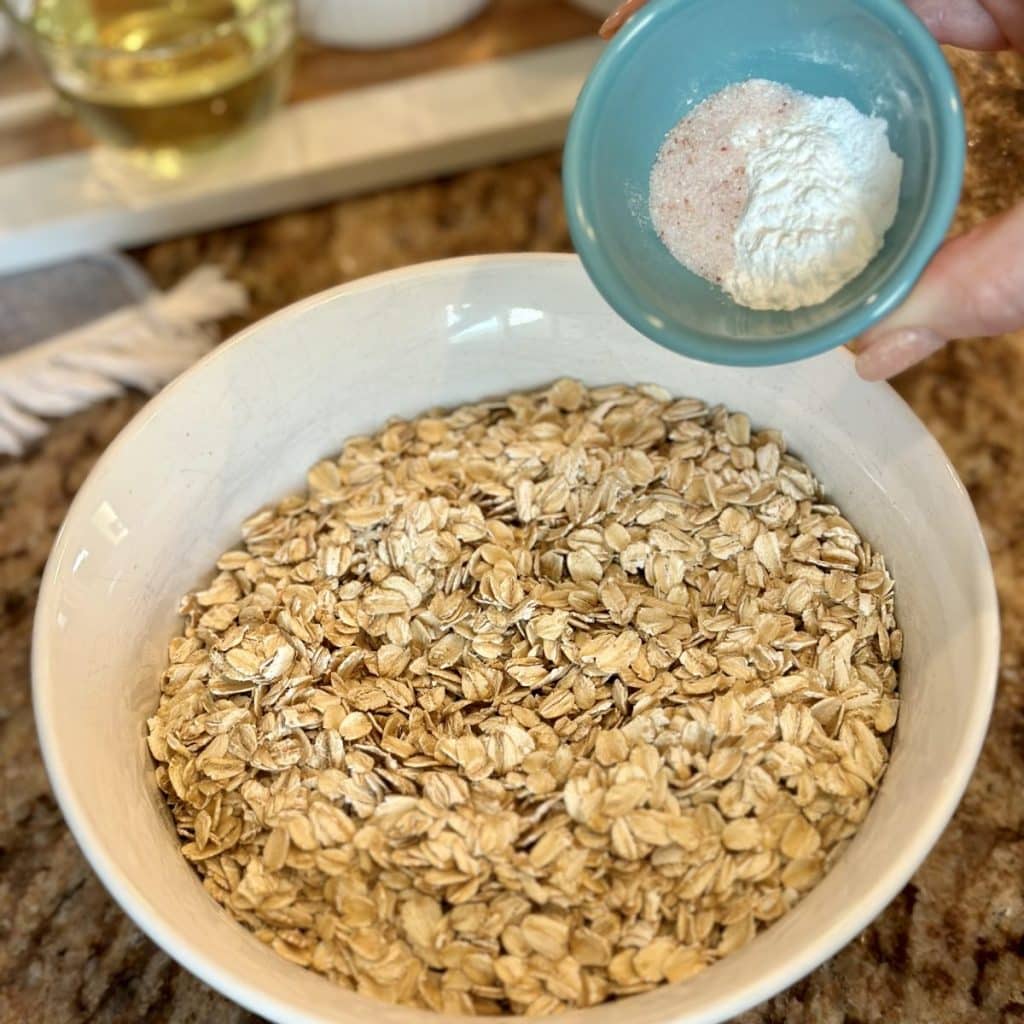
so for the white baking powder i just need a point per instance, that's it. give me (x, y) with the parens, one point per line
(779, 197)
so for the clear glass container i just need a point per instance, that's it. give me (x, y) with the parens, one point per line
(158, 77)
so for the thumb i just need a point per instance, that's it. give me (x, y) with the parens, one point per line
(619, 17)
(973, 24)
(973, 287)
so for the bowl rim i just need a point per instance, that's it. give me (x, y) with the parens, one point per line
(245, 990)
(891, 292)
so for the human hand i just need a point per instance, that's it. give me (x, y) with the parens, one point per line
(619, 17)
(975, 284)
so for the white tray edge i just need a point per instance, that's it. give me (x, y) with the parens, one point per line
(357, 141)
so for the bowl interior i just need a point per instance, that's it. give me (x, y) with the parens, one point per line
(240, 429)
(675, 54)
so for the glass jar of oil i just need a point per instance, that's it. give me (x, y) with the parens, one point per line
(152, 75)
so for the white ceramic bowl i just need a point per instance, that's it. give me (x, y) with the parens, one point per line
(372, 24)
(240, 429)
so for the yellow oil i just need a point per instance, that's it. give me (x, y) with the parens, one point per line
(155, 76)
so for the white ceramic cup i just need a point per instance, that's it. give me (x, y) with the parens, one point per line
(372, 24)
(240, 429)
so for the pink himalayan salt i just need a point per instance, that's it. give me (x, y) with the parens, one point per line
(698, 188)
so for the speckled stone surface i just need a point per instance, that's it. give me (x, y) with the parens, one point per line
(949, 950)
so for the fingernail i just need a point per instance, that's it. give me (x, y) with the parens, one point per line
(885, 355)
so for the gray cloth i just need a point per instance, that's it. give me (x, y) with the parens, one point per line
(41, 304)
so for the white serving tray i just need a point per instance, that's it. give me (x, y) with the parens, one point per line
(312, 152)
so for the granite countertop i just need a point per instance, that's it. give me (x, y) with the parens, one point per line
(950, 948)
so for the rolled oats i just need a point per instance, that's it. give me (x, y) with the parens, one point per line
(533, 704)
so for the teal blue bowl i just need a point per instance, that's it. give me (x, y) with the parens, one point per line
(675, 53)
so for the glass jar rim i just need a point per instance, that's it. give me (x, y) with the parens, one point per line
(22, 23)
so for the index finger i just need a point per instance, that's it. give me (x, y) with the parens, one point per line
(619, 17)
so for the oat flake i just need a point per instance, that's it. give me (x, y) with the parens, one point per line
(533, 704)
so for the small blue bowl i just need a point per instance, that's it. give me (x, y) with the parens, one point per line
(675, 53)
